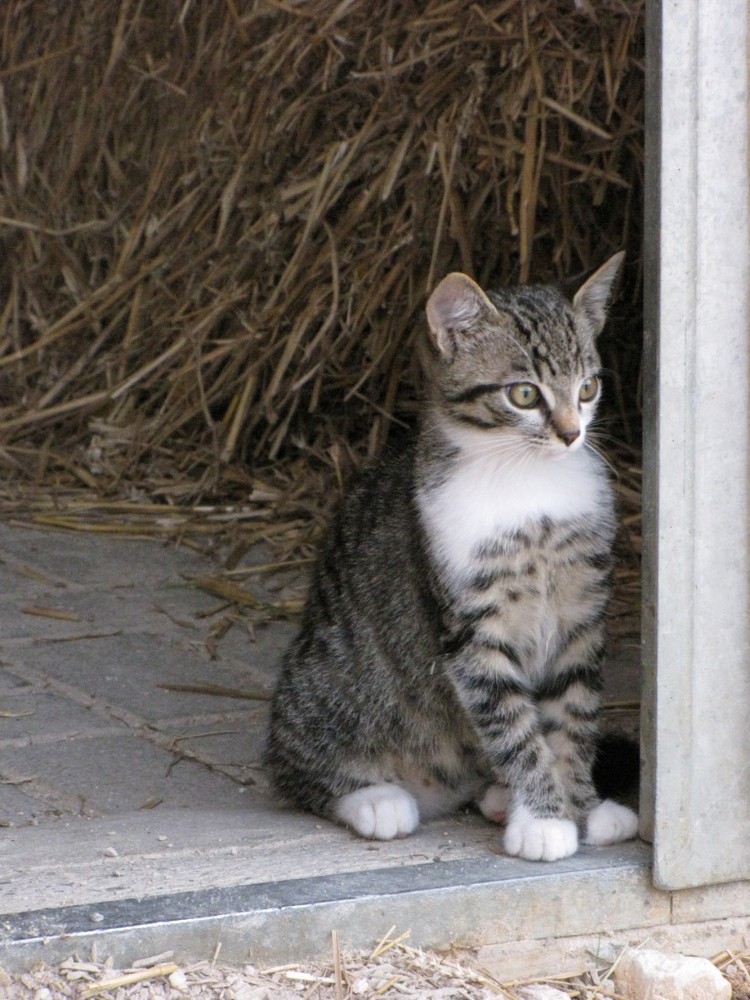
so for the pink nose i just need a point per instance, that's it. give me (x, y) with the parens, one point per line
(568, 436)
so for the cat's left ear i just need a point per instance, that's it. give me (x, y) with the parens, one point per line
(592, 298)
(455, 305)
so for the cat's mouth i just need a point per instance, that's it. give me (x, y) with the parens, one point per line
(570, 444)
(560, 446)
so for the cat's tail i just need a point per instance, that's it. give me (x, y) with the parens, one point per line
(617, 766)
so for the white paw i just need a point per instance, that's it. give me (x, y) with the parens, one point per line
(609, 823)
(379, 812)
(495, 802)
(537, 839)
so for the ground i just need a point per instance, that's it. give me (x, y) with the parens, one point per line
(392, 969)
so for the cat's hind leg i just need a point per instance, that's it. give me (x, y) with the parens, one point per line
(495, 803)
(378, 812)
(609, 823)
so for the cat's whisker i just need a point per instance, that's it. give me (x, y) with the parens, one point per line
(599, 435)
(508, 455)
(596, 436)
(493, 443)
(592, 444)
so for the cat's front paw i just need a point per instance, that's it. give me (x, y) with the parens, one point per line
(378, 812)
(495, 802)
(536, 839)
(609, 823)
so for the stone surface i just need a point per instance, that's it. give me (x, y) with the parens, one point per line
(653, 975)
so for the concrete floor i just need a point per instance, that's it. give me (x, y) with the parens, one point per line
(123, 802)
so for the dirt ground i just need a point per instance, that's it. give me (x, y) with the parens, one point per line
(392, 970)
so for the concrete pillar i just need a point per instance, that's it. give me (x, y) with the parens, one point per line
(696, 715)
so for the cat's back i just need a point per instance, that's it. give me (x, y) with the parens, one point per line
(371, 580)
(373, 527)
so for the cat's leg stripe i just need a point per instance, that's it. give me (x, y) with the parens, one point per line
(498, 646)
(554, 688)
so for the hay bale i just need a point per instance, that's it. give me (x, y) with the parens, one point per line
(220, 221)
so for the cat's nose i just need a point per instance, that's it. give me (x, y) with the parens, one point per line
(568, 436)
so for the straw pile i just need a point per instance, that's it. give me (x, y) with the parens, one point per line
(220, 220)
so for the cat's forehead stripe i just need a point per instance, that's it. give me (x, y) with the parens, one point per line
(545, 329)
(543, 361)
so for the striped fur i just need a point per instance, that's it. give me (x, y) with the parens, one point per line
(451, 645)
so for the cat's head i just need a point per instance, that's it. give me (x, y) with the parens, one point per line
(522, 361)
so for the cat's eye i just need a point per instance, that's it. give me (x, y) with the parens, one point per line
(525, 395)
(589, 389)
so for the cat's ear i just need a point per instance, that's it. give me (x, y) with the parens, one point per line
(592, 298)
(455, 304)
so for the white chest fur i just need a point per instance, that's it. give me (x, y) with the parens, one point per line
(486, 497)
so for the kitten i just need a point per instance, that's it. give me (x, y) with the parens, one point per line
(451, 644)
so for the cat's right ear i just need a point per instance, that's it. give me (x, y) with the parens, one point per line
(453, 307)
(592, 298)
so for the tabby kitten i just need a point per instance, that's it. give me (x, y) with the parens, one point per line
(451, 645)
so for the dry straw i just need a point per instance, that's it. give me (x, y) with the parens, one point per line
(220, 221)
